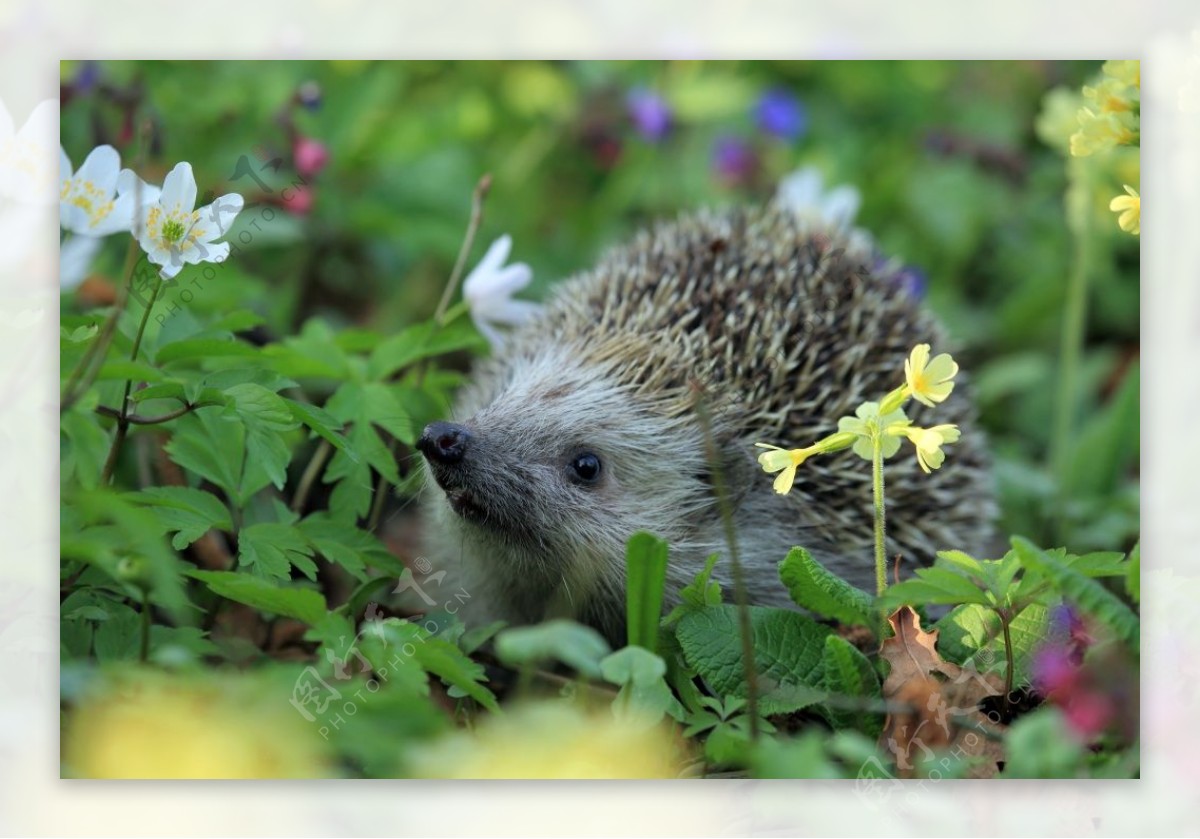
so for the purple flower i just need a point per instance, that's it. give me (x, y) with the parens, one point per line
(309, 95)
(650, 113)
(780, 113)
(87, 77)
(733, 160)
(1054, 671)
(912, 281)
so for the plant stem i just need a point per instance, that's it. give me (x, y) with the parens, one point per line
(1071, 347)
(880, 514)
(123, 420)
(1008, 659)
(741, 599)
(312, 471)
(136, 419)
(145, 651)
(439, 320)
(85, 372)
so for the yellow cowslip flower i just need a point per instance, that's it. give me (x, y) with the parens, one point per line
(928, 442)
(789, 459)
(1111, 96)
(928, 381)
(1130, 208)
(1126, 72)
(785, 459)
(151, 726)
(1100, 131)
(866, 423)
(553, 740)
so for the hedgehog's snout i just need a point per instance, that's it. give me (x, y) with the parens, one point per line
(444, 443)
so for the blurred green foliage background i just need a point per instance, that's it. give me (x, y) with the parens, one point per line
(954, 181)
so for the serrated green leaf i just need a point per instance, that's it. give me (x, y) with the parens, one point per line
(579, 647)
(271, 550)
(449, 664)
(645, 582)
(210, 447)
(163, 390)
(302, 604)
(321, 423)
(848, 674)
(83, 448)
(933, 585)
(814, 587)
(972, 634)
(644, 696)
(187, 512)
(349, 546)
(1091, 597)
(788, 647)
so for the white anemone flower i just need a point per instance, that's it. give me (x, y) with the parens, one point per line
(803, 193)
(173, 233)
(27, 155)
(88, 200)
(488, 291)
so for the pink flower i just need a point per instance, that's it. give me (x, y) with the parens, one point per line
(297, 199)
(309, 156)
(1054, 672)
(1089, 713)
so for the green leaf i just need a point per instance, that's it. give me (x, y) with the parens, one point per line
(187, 512)
(933, 585)
(1099, 564)
(119, 637)
(202, 348)
(349, 546)
(322, 423)
(644, 697)
(211, 448)
(302, 604)
(83, 447)
(1133, 576)
(814, 587)
(972, 634)
(453, 667)
(1040, 745)
(271, 549)
(416, 342)
(575, 645)
(1108, 443)
(314, 353)
(847, 673)
(265, 415)
(788, 648)
(645, 581)
(1091, 597)
(122, 369)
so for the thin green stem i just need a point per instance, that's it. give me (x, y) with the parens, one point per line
(123, 420)
(1008, 659)
(146, 621)
(880, 514)
(740, 595)
(312, 471)
(137, 419)
(85, 372)
(1071, 347)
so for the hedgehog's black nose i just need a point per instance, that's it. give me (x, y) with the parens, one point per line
(444, 442)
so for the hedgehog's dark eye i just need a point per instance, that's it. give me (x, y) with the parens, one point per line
(585, 468)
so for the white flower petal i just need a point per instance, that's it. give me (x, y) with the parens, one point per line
(216, 218)
(141, 192)
(75, 259)
(494, 338)
(801, 190)
(101, 168)
(64, 167)
(500, 284)
(179, 189)
(840, 206)
(478, 281)
(512, 312)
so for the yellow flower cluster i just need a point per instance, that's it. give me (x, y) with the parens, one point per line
(1111, 116)
(1130, 208)
(927, 381)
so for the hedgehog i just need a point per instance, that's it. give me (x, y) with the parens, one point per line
(583, 429)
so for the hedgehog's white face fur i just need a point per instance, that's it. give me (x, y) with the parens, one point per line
(584, 429)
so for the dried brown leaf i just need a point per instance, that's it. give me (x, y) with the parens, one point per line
(939, 714)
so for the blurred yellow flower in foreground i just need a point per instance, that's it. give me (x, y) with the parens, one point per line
(554, 740)
(1130, 208)
(158, 727)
